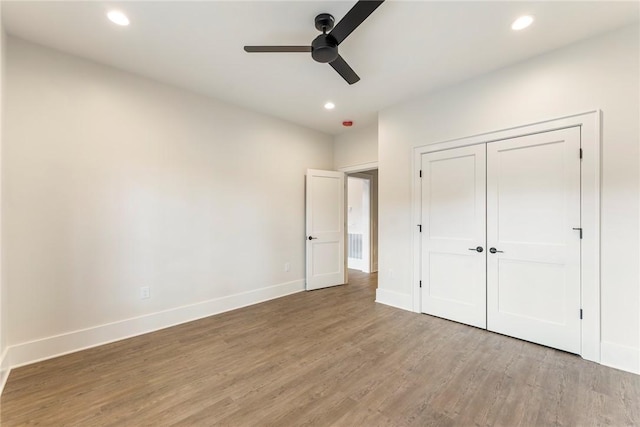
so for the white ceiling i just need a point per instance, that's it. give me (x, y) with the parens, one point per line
(404, 49)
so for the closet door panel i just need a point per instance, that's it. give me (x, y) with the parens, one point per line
(533, 206)
(453, 225)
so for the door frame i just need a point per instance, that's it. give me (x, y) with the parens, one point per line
(590, 134)
(373, 225)
(367, 260)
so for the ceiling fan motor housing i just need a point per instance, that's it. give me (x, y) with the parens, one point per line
(324, 22)
(324, 48)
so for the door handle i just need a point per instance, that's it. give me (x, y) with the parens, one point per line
(478, 249)
(312, 238)
(494, 250)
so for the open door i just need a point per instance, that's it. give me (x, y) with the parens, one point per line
(325, 229)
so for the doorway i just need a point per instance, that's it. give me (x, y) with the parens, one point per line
(362, 221)
(327, 242)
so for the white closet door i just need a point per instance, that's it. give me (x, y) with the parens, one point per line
(533, 204)
(453, 226)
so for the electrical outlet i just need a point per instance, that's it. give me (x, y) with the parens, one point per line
(145, 292)
(287, 266)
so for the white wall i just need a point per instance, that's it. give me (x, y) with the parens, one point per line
(355, 188)
(597, 73)
(356, 147)
(112, 182)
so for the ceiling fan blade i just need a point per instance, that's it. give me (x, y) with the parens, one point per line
(347, 73)
(354, 18)
(266, 49)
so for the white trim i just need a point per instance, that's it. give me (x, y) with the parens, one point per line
(359, 168)
(70, 342)
(5, 369)
(513, 132)
(620, 357)
(353, 170)
(590, 211)
(394, 299)
(416, 215)
(589, 123)
(366, 263)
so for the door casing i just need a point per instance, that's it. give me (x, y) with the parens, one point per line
(373, 217)
(589, 124)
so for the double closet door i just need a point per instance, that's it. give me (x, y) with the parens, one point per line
(501, 236)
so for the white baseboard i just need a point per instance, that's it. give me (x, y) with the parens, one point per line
(70, 342)
(4, 369)
(613, 355)
(394, 299)
(620, 357)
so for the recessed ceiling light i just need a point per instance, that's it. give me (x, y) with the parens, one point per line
(118, 18)
(522, 23)
(329, 105)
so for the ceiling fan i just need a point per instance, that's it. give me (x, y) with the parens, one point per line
(324, 48)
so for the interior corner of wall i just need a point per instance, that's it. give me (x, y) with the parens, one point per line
(4, 369)
(394, 299)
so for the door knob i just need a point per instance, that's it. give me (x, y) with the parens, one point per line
(494, 250)
(478, 249)
(312, 238)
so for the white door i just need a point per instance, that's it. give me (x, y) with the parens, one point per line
(325, 229)
(453, 235)
(533, 206)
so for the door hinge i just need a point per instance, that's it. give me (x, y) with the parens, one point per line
(581, 153)
(420, 173)
(420, 283)
(580, 314)
(419, 228)
(578, 229)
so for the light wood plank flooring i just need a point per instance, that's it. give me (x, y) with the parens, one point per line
(327, 357)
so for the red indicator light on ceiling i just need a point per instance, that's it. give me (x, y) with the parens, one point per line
(347, 123)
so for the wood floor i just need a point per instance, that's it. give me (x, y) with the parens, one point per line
(327, 357)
